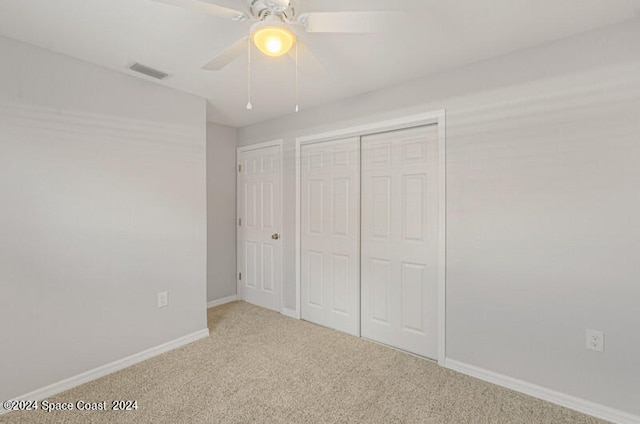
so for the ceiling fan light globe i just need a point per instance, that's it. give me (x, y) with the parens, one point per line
(273, 40)
(274, 45)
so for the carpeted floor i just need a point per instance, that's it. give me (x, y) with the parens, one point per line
(261, 367)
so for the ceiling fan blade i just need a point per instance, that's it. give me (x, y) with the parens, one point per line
(350, 22)
(208, 8)
(308, 62)
(230, 54)
(304, 6)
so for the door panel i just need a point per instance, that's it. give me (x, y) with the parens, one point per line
(330, 224)
(399, 246)
(315, 277)
(379, 290)
(260, 217)
(340, 281)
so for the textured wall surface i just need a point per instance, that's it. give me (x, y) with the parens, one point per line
(221, 212)
(103, 205)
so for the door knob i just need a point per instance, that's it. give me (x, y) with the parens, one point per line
(275, 236)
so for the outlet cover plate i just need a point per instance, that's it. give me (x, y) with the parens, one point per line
(595, 340)
(163, 299)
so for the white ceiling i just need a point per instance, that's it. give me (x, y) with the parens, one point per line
(433, 36)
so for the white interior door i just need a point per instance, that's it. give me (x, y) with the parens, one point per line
(259, 226)
(330, 239)
(400, 239)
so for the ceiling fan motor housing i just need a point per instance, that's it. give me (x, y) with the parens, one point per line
(262, 9)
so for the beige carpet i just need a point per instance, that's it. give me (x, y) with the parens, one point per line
(261, 367)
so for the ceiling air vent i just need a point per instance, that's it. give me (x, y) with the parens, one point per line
(150, 72)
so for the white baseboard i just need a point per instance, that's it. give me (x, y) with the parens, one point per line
(571, 402)
(222, 301)
(112, 367)
(290, 313)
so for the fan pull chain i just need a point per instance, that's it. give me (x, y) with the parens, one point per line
(249, 105)
(297, 79)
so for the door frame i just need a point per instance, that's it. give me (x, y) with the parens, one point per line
(279, 143)
(433, 117)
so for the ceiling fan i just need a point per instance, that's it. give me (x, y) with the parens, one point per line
(276, 23)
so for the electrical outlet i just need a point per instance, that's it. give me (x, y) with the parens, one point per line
(163, 299)
(595, 340)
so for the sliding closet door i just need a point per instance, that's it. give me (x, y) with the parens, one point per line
(400, 239)
(329, 227)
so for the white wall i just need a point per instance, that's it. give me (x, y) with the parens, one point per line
(102, 206)
(221, 212)
(542, 207)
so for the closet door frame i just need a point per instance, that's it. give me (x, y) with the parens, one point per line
(427, 118)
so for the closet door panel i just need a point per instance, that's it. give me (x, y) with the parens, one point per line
(330, 234)
(399, 239)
